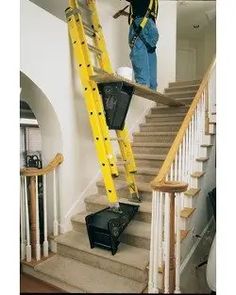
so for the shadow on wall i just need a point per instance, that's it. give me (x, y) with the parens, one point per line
(55, 7)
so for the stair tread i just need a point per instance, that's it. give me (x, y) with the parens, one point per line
(183, 234)
(192, 192)
(87, 278)
(128, 255)
(160, 124)
(197, 174)
(206, 145)
(144, 170)
(147, 133)
(149, 156)
(135, 228)
(145, 206)
(151, 144)
(202, 159)
(165, 115)
(185, 83)
(192, 92)
(187, 212)
(182, 87)
(142, 186)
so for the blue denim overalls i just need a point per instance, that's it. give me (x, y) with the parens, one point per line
(144, 60)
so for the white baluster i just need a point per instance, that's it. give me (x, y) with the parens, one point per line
(160, 231)
(180, 163)
(195, 139)
(177, 245)
(156, 243)
(184, 158)
(167, 244)
(45, 242)
(22, 218)
(28, 246)
(175, 167)
(171, 172)
(55, 222)
(38, 250)
(151, 259)
(198, 135)
(191, 152)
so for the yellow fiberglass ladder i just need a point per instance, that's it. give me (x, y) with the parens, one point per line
(91, 57)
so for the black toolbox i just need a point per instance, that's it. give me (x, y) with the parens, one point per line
(116, 97)
(105, 226)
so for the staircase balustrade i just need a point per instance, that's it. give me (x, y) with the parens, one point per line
(30, 217)
(173, 179)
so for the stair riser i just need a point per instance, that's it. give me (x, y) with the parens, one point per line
(196, 182)
(202, 166)
(182, 94)
(141, 216)
(187, 223)
(140, 178)
(191, 202)
(159, 128)
(184, 83)
(186, 100)
(154, 138)
(164, 119)
(124, 193)
(169, 110)
(182, 89)
(204, 152)
(207, 139)
(212, 129)
(151, 150)
(149, 163)
(124, 238)
(103, 263)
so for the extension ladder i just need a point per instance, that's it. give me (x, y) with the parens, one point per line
(90, 59)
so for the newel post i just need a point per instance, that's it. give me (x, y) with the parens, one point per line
(171, 190)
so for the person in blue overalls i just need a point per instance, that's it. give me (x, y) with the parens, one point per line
(143, 37)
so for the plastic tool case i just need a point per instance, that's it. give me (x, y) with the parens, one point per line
(105, 227)
(116, 98)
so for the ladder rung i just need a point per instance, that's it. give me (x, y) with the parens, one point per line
(116, 139)
(99, 71)
(122, 163)
(94, 49)
(84, 7)
(89, 30)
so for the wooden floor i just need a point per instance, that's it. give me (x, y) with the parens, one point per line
(30, 284)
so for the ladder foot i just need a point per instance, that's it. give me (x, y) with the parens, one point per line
(135, 198)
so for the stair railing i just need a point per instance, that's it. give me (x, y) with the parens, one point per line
(29, 209)
(169, 186)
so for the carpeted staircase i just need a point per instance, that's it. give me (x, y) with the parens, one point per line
(76, 267)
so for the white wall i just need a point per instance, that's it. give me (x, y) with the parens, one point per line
(46, 59)
(205, 48)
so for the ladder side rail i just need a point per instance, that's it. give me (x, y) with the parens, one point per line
(92, 109)
(124, 144)
(97, 98)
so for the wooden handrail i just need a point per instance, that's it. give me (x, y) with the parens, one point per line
(50, 167)
(179, 137)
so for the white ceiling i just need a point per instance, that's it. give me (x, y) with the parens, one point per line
(194, 13)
